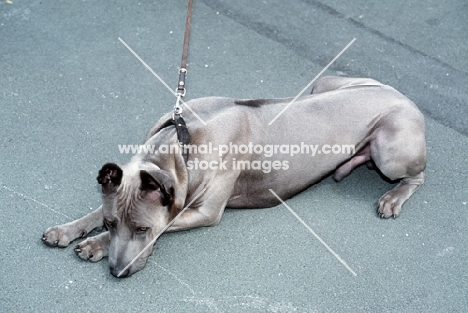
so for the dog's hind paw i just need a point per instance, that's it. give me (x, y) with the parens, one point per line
(390, 205)
(391, 202)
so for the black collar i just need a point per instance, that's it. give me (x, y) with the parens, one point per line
(183, 135)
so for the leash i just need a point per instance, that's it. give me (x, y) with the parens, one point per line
(183, 135)
(181, 91)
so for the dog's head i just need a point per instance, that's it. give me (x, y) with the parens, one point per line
(136, 206)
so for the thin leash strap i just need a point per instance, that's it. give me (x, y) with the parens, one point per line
(183, 134)
(181, 91)
(187, 35)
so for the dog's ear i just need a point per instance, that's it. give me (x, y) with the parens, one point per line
(110, 177)
(158, 185)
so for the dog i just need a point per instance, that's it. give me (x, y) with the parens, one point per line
(241, 159)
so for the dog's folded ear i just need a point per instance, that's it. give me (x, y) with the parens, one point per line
(159, 185)
(110, 176)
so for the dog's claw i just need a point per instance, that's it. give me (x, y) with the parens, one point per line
(56, 242)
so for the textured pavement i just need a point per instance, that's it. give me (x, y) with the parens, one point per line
(70, 93)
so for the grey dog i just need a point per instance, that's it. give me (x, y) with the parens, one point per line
(141, 197)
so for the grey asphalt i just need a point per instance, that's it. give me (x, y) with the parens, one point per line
(70, 93)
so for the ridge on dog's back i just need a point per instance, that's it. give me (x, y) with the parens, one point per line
(260, 102)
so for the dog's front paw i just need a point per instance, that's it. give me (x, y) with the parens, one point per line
(390, 204)
(61, 236)
(92, 249)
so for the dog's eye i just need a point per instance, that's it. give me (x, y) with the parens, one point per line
(142, 229)
(109, 224)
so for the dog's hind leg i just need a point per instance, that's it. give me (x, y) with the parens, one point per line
(94, 248)
(399, 152)
(62, 235)
(391, 202)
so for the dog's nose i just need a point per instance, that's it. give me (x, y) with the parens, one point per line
(115, 271)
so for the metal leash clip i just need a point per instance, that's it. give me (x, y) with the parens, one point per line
(180, 91)
(177, 106)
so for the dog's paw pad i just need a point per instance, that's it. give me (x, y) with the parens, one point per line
(57, 236)
(389, 206)
(89, 250)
